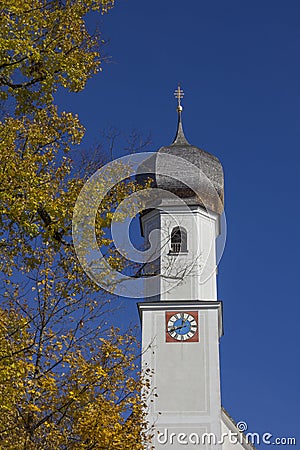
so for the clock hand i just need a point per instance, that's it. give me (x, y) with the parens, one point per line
(176, 328)
(179, 326)
(183, 322)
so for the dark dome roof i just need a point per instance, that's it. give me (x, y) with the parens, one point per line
(193, 174)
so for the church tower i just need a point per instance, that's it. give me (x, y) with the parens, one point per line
(182, 321)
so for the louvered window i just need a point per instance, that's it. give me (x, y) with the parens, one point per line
(178, 240)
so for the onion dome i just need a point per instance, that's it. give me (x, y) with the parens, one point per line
(194, 175)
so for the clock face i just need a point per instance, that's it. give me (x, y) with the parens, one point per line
(182, 326)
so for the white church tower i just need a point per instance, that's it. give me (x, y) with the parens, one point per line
(182, 321)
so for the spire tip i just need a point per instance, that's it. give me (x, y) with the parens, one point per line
(180, 137)
(179, 94)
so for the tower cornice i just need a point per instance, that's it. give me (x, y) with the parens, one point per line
(182, 305)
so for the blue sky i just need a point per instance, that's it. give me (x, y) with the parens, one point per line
(239, 66)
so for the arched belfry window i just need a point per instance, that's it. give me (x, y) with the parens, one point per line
(178, 240)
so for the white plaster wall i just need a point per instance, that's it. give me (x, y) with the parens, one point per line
(186, 378)
(192, 275)
(186, 374)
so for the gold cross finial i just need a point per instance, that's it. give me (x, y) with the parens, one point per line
(179, 95)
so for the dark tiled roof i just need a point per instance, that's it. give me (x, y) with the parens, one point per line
(198, 181)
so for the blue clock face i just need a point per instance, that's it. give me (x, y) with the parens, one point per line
(182, 326)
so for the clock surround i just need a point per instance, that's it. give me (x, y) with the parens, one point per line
(184, 326)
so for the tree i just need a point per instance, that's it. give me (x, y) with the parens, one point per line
(80, 403)
(67, 379)
(45, 44)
